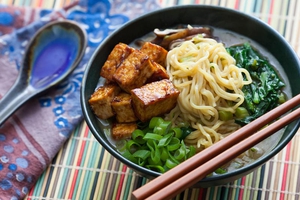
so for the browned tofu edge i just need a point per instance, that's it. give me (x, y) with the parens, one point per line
(122, 130)
(155, 52)
(134, 71)
(123, 109)
(119, 53)
(159, 73)
(154, 99)
(100, 100)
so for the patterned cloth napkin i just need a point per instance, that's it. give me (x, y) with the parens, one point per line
(33, 135)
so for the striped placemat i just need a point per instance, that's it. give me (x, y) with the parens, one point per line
(83, 169)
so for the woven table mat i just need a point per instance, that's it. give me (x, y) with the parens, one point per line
(83, 169)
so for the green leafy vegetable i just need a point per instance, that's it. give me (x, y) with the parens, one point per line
(220, 171)
(264, 93)
(158, 146)
(186, 131)
(225, 115)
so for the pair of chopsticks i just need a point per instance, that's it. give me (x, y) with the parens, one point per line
(200, 165)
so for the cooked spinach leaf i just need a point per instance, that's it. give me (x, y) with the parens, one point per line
(264, 92)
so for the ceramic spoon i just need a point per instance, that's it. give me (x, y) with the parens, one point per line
(54, 51)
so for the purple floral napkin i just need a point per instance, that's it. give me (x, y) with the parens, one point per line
(34, 134)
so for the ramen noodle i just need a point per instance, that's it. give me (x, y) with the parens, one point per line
(209, 82)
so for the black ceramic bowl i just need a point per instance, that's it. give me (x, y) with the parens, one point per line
(217, 17)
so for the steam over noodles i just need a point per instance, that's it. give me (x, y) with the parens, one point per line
(209, 82)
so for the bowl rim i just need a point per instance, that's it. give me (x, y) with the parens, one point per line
(152, 174)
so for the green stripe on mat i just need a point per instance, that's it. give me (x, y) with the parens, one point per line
(39, 184)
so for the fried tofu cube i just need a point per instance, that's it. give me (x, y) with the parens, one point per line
(101, 99)
(121, 105)
(155, 52)
(154, 99)
(159, 73)
(134, 71)
(122, 130)
(119, 53)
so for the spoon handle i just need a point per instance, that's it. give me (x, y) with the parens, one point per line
(13, 99)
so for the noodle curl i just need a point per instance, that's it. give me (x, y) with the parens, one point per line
(209, 82)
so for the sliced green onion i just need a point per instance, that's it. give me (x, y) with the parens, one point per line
(155, 121)
(158, 130)
(170, 163)
(141, 162)
(241, 112)
(165, 125)
(164, 155)
(132, 146)
(165, 140)
(281, 98)
(192, 151)
(180, 153)
(137, 135)
(174, 144)
(171, 157)
(225, 115)
(158, 146)
(150, 161)
(157, 168)
(129, 156)
(143, 154)
(154, 151)
(152, 136)
(256, 98)
(220, 171)
(177, 132)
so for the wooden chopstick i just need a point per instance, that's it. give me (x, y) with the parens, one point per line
(197, 167)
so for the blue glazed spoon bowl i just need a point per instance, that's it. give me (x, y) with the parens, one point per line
(52, 54)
